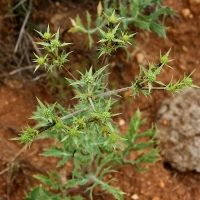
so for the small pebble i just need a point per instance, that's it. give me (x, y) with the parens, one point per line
(185, 12)
(135, 197)
(161, 184)
(164, 122)
(185, 48)
(121, 122)
(183, 67)
(139, 58)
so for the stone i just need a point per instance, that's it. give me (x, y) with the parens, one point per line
(139, 58)
(122, 122)
(185, 49)
(185, 12)
(161, 184)
(134, 197)
(180, 136)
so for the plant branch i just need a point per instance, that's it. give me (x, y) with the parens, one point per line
(92, 104)
(104, 60)
(74, 113)
(154, 88)
(113, 92)
(71, 75)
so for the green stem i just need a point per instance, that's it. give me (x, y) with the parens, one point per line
(154, 88)
(92, 104)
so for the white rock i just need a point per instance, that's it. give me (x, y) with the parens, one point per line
(135, 197)
(180, 138)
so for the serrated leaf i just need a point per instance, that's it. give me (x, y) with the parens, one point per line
(107, 108)
(43, 194)
(63, 161)
(122, 9)
(142, 24)
(88, 19)
(41, 104)
(44, 179)
(117, 193)
(78, 21)
(56, 152)
(160, 30)
(144, 4)
(135, 123)
(57, 34)
(34, 194)
(134, 10)
(45, 44)
(102, 32)
(76, 182)
(98, 72)
(148, 133)
(156, 14)
(151, 157)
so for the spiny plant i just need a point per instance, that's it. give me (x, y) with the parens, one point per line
(147, 15)
(86, 134)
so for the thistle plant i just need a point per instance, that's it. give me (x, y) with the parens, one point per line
(146, 15)
(86, 134)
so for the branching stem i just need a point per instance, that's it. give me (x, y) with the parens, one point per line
(113, 92)
(74, 113)
(101, 95)
(154, 88)
(92, 104)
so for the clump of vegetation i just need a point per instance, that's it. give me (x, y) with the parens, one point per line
(86, 134)
(146, 15)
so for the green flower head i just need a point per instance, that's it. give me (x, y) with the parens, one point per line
(47, 35)
(113, 19)
(28, 135)
(41, 61)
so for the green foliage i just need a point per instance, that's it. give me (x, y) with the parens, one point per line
(39, 193)
(86, 134)
(147, 15)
